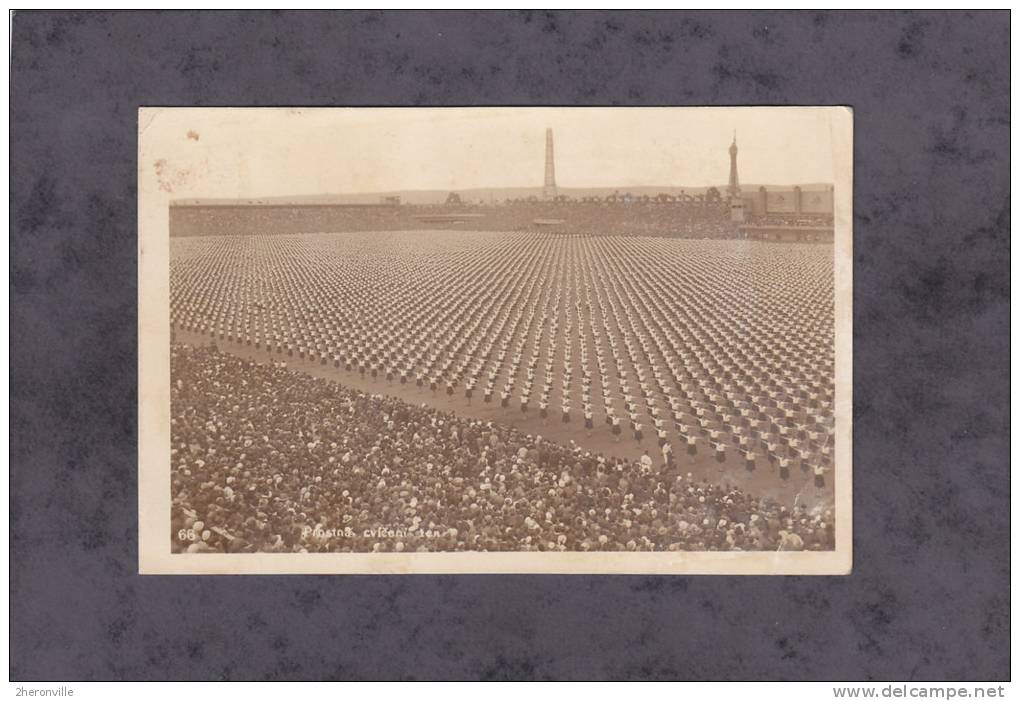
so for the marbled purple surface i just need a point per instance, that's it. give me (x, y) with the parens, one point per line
(929, 593)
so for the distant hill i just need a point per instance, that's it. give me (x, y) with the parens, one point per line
(483, 195)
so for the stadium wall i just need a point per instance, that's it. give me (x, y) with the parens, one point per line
(635, 218)
(697, 219)
(764, 202)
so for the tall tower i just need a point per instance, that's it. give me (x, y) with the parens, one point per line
(735, 200)
(734, 188)
(549, 188)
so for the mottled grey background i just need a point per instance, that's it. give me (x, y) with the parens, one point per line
(929, 594)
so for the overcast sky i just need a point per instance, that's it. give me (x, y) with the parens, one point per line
(251, 153)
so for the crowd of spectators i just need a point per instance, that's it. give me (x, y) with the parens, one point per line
(266, 459)
(641, 217)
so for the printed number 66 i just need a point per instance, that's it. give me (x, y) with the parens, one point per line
(186, 534)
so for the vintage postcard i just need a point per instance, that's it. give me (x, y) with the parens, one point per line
(495, 340)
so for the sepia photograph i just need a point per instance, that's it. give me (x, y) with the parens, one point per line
(495, 340)
(515, 345)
